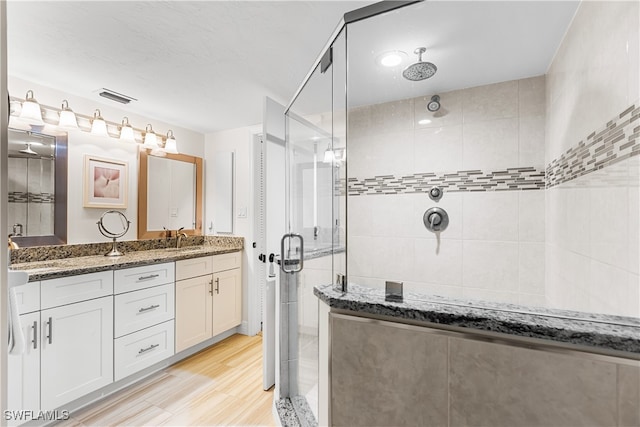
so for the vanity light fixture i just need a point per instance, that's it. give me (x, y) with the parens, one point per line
(68, 118)
(31, 112)
(150, 138)
(98, 125)
(126, 131)
(170, 145)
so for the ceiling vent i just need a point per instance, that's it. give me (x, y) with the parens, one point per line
(115, 96)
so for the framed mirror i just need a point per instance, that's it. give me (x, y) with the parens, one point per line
(169, 194)
(37, 188)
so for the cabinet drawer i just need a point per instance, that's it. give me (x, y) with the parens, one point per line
(28, 297)
(141, 309)
(188, 268)
(132, 279)
(142, 349)
(227, 261)
(67, 290)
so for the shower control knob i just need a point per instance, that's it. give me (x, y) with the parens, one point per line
(435, 219)
(435, 193)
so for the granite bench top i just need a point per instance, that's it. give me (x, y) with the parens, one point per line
(52, 269)
(601, 332)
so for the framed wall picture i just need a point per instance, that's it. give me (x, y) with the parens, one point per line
(105, 183)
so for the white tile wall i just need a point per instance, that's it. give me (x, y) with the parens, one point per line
(494, 245)
(592, 232)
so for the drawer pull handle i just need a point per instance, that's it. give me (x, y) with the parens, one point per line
(151, 307)
(35, 335)
(217, 285)
(151, 347)
(50, 336)
(151, 276)
(210, 287)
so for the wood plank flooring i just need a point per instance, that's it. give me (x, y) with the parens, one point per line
(218, 386)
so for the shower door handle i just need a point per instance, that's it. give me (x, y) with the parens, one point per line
(285, 260)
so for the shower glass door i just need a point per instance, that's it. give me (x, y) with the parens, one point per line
(308, 246)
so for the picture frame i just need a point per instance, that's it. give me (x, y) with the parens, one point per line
(105, 183)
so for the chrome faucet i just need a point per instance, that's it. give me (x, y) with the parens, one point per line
(179, 237)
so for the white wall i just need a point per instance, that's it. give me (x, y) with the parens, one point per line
(240, 142)
(82, 221)
(592, 235)
(493, 248)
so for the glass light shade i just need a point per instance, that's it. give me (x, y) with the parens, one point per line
(98, 126)
(170, 145)
(329, 157)
(31, 112)
(68, 118)
(126, 131)
(150, 138)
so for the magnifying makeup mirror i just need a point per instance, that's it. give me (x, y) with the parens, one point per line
(113, 224)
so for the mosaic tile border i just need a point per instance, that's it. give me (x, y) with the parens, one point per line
(24, 197)
(618, 140)
(510, 179)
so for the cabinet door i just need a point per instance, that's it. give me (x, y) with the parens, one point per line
(77, 350)
(23, 370)
(227, 300)
(193, 311)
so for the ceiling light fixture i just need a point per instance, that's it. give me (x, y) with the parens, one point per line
(98, 125)
(150, 138)
(68, 118)
(170, 146)
(126, 131)
(31, 112)
(392, 58)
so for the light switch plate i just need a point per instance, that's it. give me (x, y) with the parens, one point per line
(242, 212)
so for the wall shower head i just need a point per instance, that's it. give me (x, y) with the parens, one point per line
(420, 70)
(434, 104)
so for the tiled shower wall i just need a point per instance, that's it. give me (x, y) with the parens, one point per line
(593, 211)
(485, 146)
(31, 195)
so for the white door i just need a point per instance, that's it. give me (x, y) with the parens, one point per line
(274, 226)
(77, 350)
(23, 370)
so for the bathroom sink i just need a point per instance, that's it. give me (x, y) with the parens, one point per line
(17, 278)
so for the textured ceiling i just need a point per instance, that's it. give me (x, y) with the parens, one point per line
(202, 65)
(207, 66)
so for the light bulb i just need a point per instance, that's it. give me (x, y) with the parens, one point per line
(67, 117)
(98, 126)
(170, 145)
(31, 112)
(126, 131)
(150, 138)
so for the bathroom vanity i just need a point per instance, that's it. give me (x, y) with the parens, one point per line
(441, 361)
(95, 324)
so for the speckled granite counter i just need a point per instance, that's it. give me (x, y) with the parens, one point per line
(592, 330)
(55, 266)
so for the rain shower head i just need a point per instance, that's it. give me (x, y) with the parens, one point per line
(420, 70)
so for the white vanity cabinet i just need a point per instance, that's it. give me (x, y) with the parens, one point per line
(23, 370)
(76, 336)
(208, 297)
(144, 307)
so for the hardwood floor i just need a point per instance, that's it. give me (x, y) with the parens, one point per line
(218, 386)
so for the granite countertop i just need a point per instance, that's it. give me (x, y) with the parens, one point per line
(604, 332)
(52, 269)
